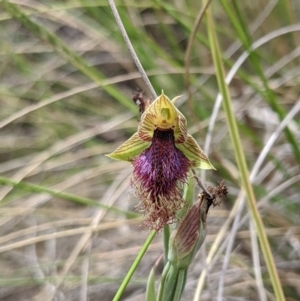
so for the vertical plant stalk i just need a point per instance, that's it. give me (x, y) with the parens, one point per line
(166, 238)
(269, 96)
(134, 266)
(185, 242)
(239, 154)
(131, 49)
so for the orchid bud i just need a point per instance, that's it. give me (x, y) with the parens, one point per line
(191, 232)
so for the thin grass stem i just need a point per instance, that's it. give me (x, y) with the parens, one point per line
(241, 161)
(63, 195)
(131, 49)
(134, 266)
(187, 55)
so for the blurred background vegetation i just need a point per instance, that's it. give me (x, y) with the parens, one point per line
(67, 81)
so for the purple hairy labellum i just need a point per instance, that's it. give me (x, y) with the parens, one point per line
(162, 153)
(156, 173)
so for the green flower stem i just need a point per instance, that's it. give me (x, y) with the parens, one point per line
(241, 161)
(181, 279)
(134, 266)
(170, 284)
(166, 238)
(185, 241)
(64, 195)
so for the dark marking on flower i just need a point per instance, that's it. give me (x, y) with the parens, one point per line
(157, 171)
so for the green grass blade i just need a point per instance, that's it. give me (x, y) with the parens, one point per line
(150, 291)
(241, 161)
(242, 32)
(63, 195)
(65, 52)
(134, 266)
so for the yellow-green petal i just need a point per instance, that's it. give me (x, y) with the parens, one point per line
(194, 153)
(129, 149)
(163, 115)
(180, 132)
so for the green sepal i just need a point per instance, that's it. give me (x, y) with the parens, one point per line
(150, 291)
(129, 149)
(162, 114)
(194, 153)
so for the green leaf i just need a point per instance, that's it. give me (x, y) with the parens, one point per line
(241, 160)
(134, 266)
(150, 292)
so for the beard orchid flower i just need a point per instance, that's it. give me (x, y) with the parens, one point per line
(162, 153)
